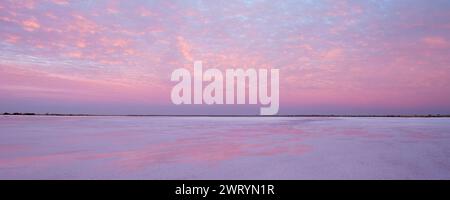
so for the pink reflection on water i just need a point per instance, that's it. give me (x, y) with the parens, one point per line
(65, 141)
(211, 148)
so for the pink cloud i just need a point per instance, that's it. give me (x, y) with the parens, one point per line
(185, 48)
(29, 4)
(435, 42)
(61, 2)
(333, 54)
(112, 7)
(120, 43)
(12, 38)
(30, 24)
(143, 12)
(83, 25)
(81, 44)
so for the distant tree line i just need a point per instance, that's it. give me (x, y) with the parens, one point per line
(17, 113)
(418, 116)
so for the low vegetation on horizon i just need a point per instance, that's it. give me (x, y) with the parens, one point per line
(330, 115)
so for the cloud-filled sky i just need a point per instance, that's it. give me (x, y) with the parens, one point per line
(116, 57)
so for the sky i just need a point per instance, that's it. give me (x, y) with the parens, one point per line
(116, 57)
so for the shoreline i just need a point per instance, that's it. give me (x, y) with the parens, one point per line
(100, 115)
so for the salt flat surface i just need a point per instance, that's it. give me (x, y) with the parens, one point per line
(51, 147)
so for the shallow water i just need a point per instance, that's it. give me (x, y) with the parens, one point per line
(52, 147)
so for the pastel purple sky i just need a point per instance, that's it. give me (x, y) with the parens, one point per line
(116, 57)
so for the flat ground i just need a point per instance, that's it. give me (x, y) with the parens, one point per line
(107, 147)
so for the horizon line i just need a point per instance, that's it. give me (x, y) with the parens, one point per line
(220, 115)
